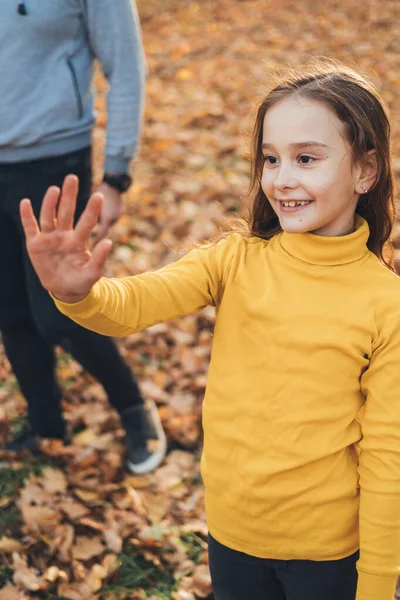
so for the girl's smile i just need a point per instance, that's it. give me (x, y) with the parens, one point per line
(293, 205)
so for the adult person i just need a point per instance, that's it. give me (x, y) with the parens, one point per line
(48, 49)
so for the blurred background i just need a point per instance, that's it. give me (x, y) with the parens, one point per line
(208, 64)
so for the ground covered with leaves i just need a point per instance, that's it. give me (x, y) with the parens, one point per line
(74, 524)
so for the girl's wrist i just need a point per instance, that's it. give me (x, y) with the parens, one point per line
(68, 299)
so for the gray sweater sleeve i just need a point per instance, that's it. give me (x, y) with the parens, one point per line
(115, 38)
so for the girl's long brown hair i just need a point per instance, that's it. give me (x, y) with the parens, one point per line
(358, 105)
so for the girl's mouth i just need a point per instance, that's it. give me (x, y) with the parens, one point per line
(293, 205)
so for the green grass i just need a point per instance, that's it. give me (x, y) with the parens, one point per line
(12, 479)
(5, 575)
(194, 546)
(10, 520)
(135, 573)
(18, 424)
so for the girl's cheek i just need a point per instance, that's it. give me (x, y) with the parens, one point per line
(264, 185)
(318, 181)
(266, 180)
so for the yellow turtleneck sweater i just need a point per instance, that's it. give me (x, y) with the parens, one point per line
(307, 334)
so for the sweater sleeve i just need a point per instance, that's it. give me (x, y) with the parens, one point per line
(115, 38)
(379, 469)
(119, 307)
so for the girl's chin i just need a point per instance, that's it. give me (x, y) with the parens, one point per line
(295, 226)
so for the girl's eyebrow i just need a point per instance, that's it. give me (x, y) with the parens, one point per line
(298, 145)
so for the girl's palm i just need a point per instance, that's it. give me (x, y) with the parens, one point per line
(59, 251)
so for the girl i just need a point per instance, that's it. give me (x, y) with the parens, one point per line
(307, 334)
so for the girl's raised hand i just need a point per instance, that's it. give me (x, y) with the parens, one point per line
(59, 251)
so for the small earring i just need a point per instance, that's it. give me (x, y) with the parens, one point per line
(364, 189)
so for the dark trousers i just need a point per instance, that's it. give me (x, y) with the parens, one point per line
(30, 324)
(238, 576)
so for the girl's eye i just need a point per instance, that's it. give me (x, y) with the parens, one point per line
(305, 159)
(271, 160)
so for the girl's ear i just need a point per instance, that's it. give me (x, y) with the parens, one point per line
(368, 172)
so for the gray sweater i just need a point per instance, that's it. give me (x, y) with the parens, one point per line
(46, 63)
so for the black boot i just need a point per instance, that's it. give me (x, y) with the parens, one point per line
(145, 437)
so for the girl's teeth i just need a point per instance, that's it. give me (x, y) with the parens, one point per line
(302, 203)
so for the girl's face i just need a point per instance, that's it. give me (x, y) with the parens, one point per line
(309, 176)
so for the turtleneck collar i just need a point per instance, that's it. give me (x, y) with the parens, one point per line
(324, 250)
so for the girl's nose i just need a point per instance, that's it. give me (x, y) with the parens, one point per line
(285, 178)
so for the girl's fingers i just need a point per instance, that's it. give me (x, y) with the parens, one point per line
(28, 219)
(67, 204)
(100, 254)
(47, 218)
(101, 232)
(89, 218)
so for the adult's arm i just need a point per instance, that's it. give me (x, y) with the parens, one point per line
(115, 38)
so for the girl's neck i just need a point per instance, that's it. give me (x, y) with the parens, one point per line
(327, 250)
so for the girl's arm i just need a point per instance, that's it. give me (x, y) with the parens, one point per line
(379, 469)
(122, 306)
(59, 251)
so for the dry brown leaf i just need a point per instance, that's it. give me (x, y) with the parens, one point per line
(185, 461)
(85, 458)
(182, 595)
(87, 547)
(89, 522)
(137, 503)
(110, 563)
(96, 576)
(113, 540)
(153, 391)
(54, 573)
(124, 522)
(79, 571)
(32, 493)
(10, 545)
(24, 576)
(168, 477)
(183, 568)
(62, 542)
(110, 466)
(53, 447)
(53, 480)
(85, 437)
(89, 497)
(137, 481)
(40, 519)
(156, 504)
(6, 501)
(202, 581)
(76, 591)
(9, 592)
(74, 510)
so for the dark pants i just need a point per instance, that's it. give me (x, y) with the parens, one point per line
(29, 322)
(238, 576)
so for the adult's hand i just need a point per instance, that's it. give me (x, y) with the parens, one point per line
(59, 251)
(111, 211)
